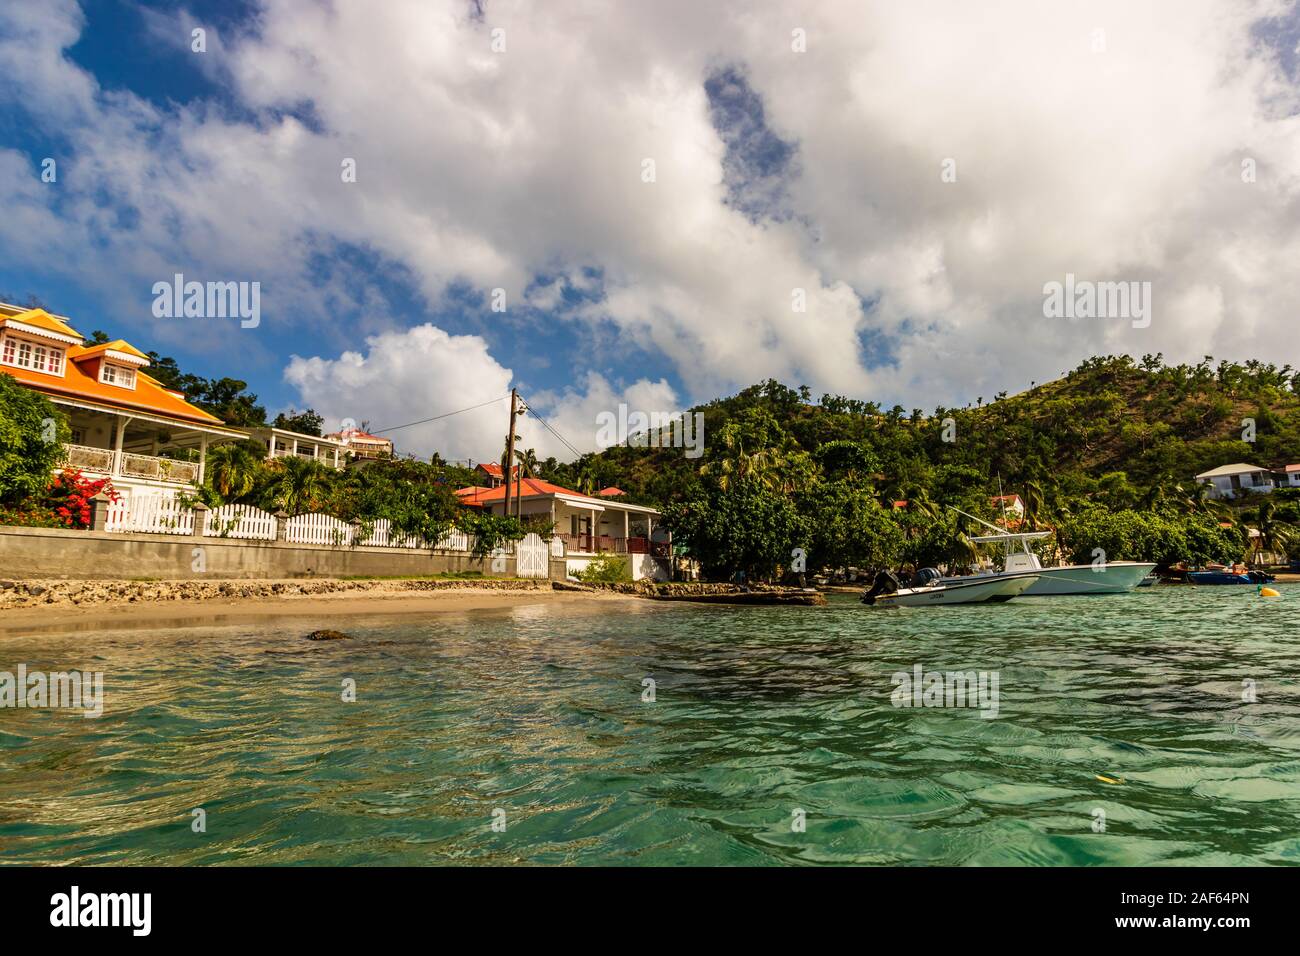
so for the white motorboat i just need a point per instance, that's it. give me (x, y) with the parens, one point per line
(886, 593)
(1103, 577)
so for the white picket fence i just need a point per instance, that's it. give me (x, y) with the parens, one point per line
(315, 528)
(240, 521)
(152, 514)
(163, 514)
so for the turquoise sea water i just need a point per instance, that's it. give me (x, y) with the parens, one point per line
(758, 713)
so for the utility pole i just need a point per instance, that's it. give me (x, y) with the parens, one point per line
(510, 450)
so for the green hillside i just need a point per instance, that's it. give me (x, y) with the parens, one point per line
(1114, 436)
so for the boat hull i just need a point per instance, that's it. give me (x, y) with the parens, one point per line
(1116, 577)
(1227, 577)
(966, 592)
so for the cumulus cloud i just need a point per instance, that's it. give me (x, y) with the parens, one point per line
(1104, 140)
(422, 373)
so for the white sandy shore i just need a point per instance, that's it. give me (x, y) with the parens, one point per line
(352, 600)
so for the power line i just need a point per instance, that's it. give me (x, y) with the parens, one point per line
(435, 418)
(568, 444)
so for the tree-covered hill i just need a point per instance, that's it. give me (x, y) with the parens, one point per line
(1105, 456)
(1136, 428)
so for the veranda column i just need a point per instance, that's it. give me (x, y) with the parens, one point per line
(203, 457)
(625, 532)
(117, 445)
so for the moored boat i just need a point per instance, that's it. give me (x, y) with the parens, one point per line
(1226, 576)
(1104, 577)
(930, 592)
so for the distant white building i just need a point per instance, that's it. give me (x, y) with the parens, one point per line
(1229, 481)
(363, 445)
(1288, 476)
(282, 443)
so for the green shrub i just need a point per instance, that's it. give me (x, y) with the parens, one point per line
(606, 569)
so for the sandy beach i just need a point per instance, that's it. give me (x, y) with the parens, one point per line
(333, 608)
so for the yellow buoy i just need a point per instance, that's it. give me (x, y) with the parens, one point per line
(1268, 592)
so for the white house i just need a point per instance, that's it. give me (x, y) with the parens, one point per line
(588, 526)
(363, 445)
(126, 425)
(1288, 476)
(281, 443)
(1229, 481)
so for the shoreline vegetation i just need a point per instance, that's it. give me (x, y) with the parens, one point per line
(1104, 458)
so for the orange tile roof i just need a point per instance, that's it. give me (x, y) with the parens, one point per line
(119, 345)
(149, 395)
(610, 492)
(477, 497)
(41, 319)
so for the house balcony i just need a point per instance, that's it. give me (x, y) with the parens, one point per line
(599, 543)
(105, 461)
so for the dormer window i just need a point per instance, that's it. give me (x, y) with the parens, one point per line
(118, 375)
(21, 353)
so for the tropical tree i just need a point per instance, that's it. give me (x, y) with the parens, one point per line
(298, 485)
(231, 471)
(529, 466)
(1276, 535)
(32, 435)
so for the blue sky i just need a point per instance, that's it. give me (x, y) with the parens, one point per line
(504, 145)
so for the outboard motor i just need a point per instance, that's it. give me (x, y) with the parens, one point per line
(925, 577)
(885, 583)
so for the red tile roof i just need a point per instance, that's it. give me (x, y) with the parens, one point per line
(610, 492)
(478, 497)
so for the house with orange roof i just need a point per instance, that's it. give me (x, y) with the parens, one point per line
(586, 525)
(126, 425)
(492, 472)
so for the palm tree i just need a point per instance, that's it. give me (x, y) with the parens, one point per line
(529, 466)
(1034, 501)
(230, 471)
(298, 484)
(1276, 536)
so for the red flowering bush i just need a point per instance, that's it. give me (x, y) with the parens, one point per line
(68, 497)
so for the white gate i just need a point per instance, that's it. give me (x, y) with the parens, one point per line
(532, 557)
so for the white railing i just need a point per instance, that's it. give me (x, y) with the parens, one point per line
(317, 528)
(101, 460)
(163, 469)
(152, 514)
(240, 521)
(90, 459)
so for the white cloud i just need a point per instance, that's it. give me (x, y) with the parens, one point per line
(423, 372)
(490, 169)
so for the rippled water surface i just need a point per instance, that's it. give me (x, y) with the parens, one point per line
(538, 711)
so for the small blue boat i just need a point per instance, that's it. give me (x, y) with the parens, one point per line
(1228, 577)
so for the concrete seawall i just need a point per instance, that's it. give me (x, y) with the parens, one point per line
(34, 553)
